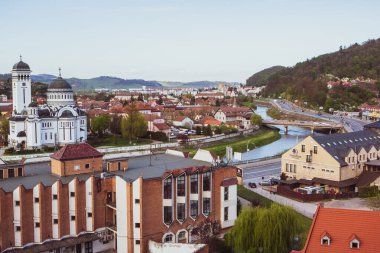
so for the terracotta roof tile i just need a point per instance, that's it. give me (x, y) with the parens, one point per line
(76, 151)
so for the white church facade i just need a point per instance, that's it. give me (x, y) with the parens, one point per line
(56, 123)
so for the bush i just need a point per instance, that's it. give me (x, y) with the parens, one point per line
(368, 191)
(157, 136)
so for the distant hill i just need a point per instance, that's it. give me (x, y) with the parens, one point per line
(307, 80)
(261, 78)
(196, 84)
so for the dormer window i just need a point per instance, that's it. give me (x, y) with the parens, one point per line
(355, 244)
(325, 241)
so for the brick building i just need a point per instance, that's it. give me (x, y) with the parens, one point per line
(84, 202)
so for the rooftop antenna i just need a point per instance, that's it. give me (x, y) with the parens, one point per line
(59, 71)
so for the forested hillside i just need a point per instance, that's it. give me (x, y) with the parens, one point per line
(261, 78)
(307, 80)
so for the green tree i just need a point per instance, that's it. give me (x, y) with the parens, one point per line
(256, 120)
(100, 124)
(134, 125)
(207, 130)
(272, 229)
(4, 129)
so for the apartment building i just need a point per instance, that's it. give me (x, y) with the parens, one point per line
(335, 161)
(84, 202)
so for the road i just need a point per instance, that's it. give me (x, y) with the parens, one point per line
(254, 173)
(351, 124)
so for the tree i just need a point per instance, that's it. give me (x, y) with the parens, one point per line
(115, 125)
(272, 229)
(100, 124)
(256, 120)
(134, 125)
(4, 129)
(207, 130)
(198, 130)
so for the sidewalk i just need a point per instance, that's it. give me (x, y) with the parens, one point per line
(306, 209)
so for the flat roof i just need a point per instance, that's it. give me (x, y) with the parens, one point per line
(137, 166)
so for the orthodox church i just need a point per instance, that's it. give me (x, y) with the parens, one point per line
(58, 122)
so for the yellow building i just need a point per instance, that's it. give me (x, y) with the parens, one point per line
(333, 161)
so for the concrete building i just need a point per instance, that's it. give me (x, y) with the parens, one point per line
(85, 203)
(334, 161)
(58, 122)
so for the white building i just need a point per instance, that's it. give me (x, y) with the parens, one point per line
(58, 122)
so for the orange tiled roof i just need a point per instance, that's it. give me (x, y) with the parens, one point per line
(343, 225)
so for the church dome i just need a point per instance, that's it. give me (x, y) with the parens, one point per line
(60, 84)
(21, 66)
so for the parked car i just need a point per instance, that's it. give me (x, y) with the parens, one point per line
(265, 183)
(252, 185)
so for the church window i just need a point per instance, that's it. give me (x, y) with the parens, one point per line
(51, 135)
(45, 136)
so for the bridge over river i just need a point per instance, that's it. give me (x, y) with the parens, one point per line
(329, 126)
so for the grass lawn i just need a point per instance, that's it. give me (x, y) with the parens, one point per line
(116, 141)
(263, 137)
(264, 202)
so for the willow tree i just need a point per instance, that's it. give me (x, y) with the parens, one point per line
(272, 229)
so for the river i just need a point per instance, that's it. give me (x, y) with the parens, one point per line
(295, 135)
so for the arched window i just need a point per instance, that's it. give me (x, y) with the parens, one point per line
(167, 238)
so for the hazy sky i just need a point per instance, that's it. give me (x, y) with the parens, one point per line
(178, 40)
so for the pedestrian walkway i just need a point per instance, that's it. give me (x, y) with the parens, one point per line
(306, 209)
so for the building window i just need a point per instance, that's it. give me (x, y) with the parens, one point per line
(11, 173)
(87, 165)
(181, 212)
(19, 171)
(168, 238)
(168, 188)
(193, 208)
(206, 181)
(137, 242)
(308, 158)
(18, 228)
(226, 213)
(37, 224)
(88, 247)
(36, 200)
(206, 206)
(55, 221)
(287, 167)
(137, 201)
(17, 203)
(325, 240)
(72, 218)
(303, 148)
(1, 174)
(89, 215)
(294, 168)
(182, 236)
(45, 136)
(55, 196)
(181, 186)
(355, 244)
(168, 215)
(72, 194)
(315, 150)
(194, 184)
(226, 193)
(137, 225)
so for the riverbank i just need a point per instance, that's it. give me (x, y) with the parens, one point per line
(262, 137)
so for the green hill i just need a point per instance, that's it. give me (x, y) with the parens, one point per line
(307, 80)
(261, 78)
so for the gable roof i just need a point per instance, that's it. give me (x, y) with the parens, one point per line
(341, 225)
(76, 151)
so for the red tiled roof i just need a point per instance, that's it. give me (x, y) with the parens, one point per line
(76, 151)
(209, 120)
(343, 225)
(150, 117)
(161, 126)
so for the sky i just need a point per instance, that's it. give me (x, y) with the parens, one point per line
(177, 40)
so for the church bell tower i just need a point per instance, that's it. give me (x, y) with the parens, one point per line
(21, 87)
